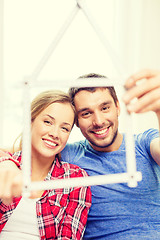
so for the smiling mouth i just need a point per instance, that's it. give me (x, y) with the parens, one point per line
(50, 144)
(102, 132)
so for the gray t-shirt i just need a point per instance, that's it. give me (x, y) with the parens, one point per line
(118, 211)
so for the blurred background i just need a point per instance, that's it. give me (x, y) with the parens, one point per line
(28, 27)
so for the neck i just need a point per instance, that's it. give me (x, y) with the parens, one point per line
(40, 169)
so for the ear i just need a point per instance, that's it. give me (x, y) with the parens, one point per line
(118, 108)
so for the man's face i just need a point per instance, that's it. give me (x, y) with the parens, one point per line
(98, 118)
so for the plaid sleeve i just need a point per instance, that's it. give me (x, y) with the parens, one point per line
(16, 158)
(76, 213)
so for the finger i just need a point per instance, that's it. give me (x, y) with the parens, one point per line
(5, 188)
(2, 181)
(10, 185)
(155, 106)
(7, 185)
(17, 186)
(139, 90)
(143, 74)
(147, 102)
(5, 180)
(15, 190)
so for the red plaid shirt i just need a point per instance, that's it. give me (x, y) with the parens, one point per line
(61, 213)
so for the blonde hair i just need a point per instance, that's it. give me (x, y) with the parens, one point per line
(41, 102)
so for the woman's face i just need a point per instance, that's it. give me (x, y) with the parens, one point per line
(50, 130)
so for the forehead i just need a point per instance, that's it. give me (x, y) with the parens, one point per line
(86, 99)
(57, 111)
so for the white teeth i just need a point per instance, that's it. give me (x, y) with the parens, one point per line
(101, 132)
(50, 143)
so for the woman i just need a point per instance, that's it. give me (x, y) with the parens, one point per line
(54, 214)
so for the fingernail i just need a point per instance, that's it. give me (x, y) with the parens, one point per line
(128, 83)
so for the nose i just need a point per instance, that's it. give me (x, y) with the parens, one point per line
(54, 132)
(98, 119)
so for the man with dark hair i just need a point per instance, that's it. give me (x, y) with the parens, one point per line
(118, 211)
(73, 91)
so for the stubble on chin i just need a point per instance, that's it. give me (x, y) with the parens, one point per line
(94, 144)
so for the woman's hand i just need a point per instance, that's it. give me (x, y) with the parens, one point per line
(4, 153)
(10, 181)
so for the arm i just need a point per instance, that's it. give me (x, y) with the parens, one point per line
(76, 214)
(144, 86)
(155, 150)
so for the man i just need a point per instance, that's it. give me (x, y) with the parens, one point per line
(119, 212)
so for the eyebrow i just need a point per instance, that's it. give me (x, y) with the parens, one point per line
(50, 116)
(86, 109)
(106, 103)
(55, 119)
(82, 110)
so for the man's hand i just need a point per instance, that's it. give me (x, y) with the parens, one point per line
(10, 181)
(143, 92)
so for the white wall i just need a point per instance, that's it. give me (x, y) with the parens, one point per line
(131, 26)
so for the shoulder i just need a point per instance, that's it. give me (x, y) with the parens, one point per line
(151, 132)
(73, 151)
(143, 140)
(75, 146)
(147, 136)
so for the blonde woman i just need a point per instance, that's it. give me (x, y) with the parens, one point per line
(54, 214)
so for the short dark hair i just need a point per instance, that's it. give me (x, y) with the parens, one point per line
(74, 90)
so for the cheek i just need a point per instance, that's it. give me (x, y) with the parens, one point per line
(64, 139)
(115, 119)
(112, 115)
(84, 123)
(37, 130)
(34, 135)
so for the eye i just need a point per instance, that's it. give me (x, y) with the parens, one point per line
(47, 122)
(105, 108)
(85, 114)
(66, 129)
